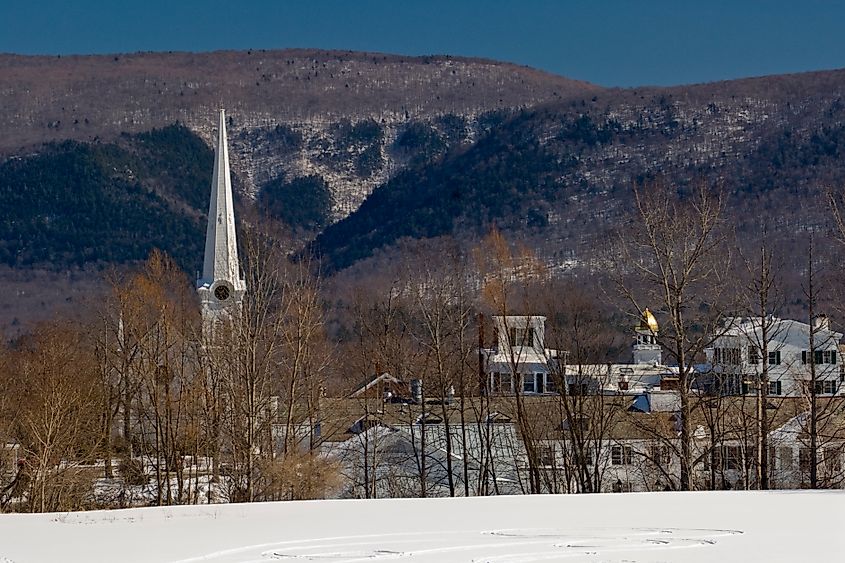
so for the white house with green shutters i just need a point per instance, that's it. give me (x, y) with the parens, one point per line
(736, 357)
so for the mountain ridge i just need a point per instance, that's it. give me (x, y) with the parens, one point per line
(450, 145)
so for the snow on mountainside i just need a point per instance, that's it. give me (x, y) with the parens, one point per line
(559, 176)
(363, 150)
(635, 528)
(312, 93)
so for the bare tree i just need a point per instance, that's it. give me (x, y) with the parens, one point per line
(56, 415)
(580, 341)
(505, 271)
(442, 316)
(764, 298)
(163, 333)
(672, 257)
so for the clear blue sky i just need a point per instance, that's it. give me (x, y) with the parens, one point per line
(613, 43)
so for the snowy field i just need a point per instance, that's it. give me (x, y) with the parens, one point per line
(649, 527)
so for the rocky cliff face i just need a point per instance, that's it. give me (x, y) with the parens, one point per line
(295, 113)
(559, 176)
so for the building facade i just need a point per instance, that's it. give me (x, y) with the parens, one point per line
(736, 357)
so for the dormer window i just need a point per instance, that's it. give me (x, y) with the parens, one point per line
(365, 423)
(429, 418)
(521, 336)
(497, 418)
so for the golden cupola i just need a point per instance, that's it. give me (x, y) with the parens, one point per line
(648, 322)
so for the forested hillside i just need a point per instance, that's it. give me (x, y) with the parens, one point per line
(560, 176)
(73, 203)
(105, 158)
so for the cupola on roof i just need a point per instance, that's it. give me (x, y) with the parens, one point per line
(648, 321)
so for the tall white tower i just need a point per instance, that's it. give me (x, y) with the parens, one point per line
(221, 287)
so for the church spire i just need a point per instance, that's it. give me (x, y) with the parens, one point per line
(221, 279)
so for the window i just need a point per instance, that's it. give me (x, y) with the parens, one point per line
(715, 459)
(820, 356)
(528, 383)
(621, 486)
(784, 459)
(730, 384)
(646, 338)
(587, 454)
(533, 383)
(507, 383)
(753, 355)
(621, 455)
(804, 460)
(546, 456)
(522, 336)
(774, 358)
(780, 458)
(502, 383)
(660, 455)
(827, 387)
(775, 388)
(731, 457)
(726, 457)
(539, 383)
(832, 460)
(551, 387)
(726, 356)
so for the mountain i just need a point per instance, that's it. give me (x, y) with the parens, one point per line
(560, 175)
(104, 157)
(342, 115)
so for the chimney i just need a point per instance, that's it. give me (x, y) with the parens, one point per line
(821, 322)
(416, 391)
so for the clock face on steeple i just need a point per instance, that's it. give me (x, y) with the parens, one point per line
(221, 292)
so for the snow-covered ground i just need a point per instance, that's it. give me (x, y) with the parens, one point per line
(648, 527)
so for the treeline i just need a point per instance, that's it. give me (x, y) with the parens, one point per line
(144, 404)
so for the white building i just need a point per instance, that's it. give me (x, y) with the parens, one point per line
(737, 362)
(520, 362)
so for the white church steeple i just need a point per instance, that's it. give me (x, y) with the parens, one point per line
(221, 284)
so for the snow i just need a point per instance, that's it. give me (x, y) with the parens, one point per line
(638, 527)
